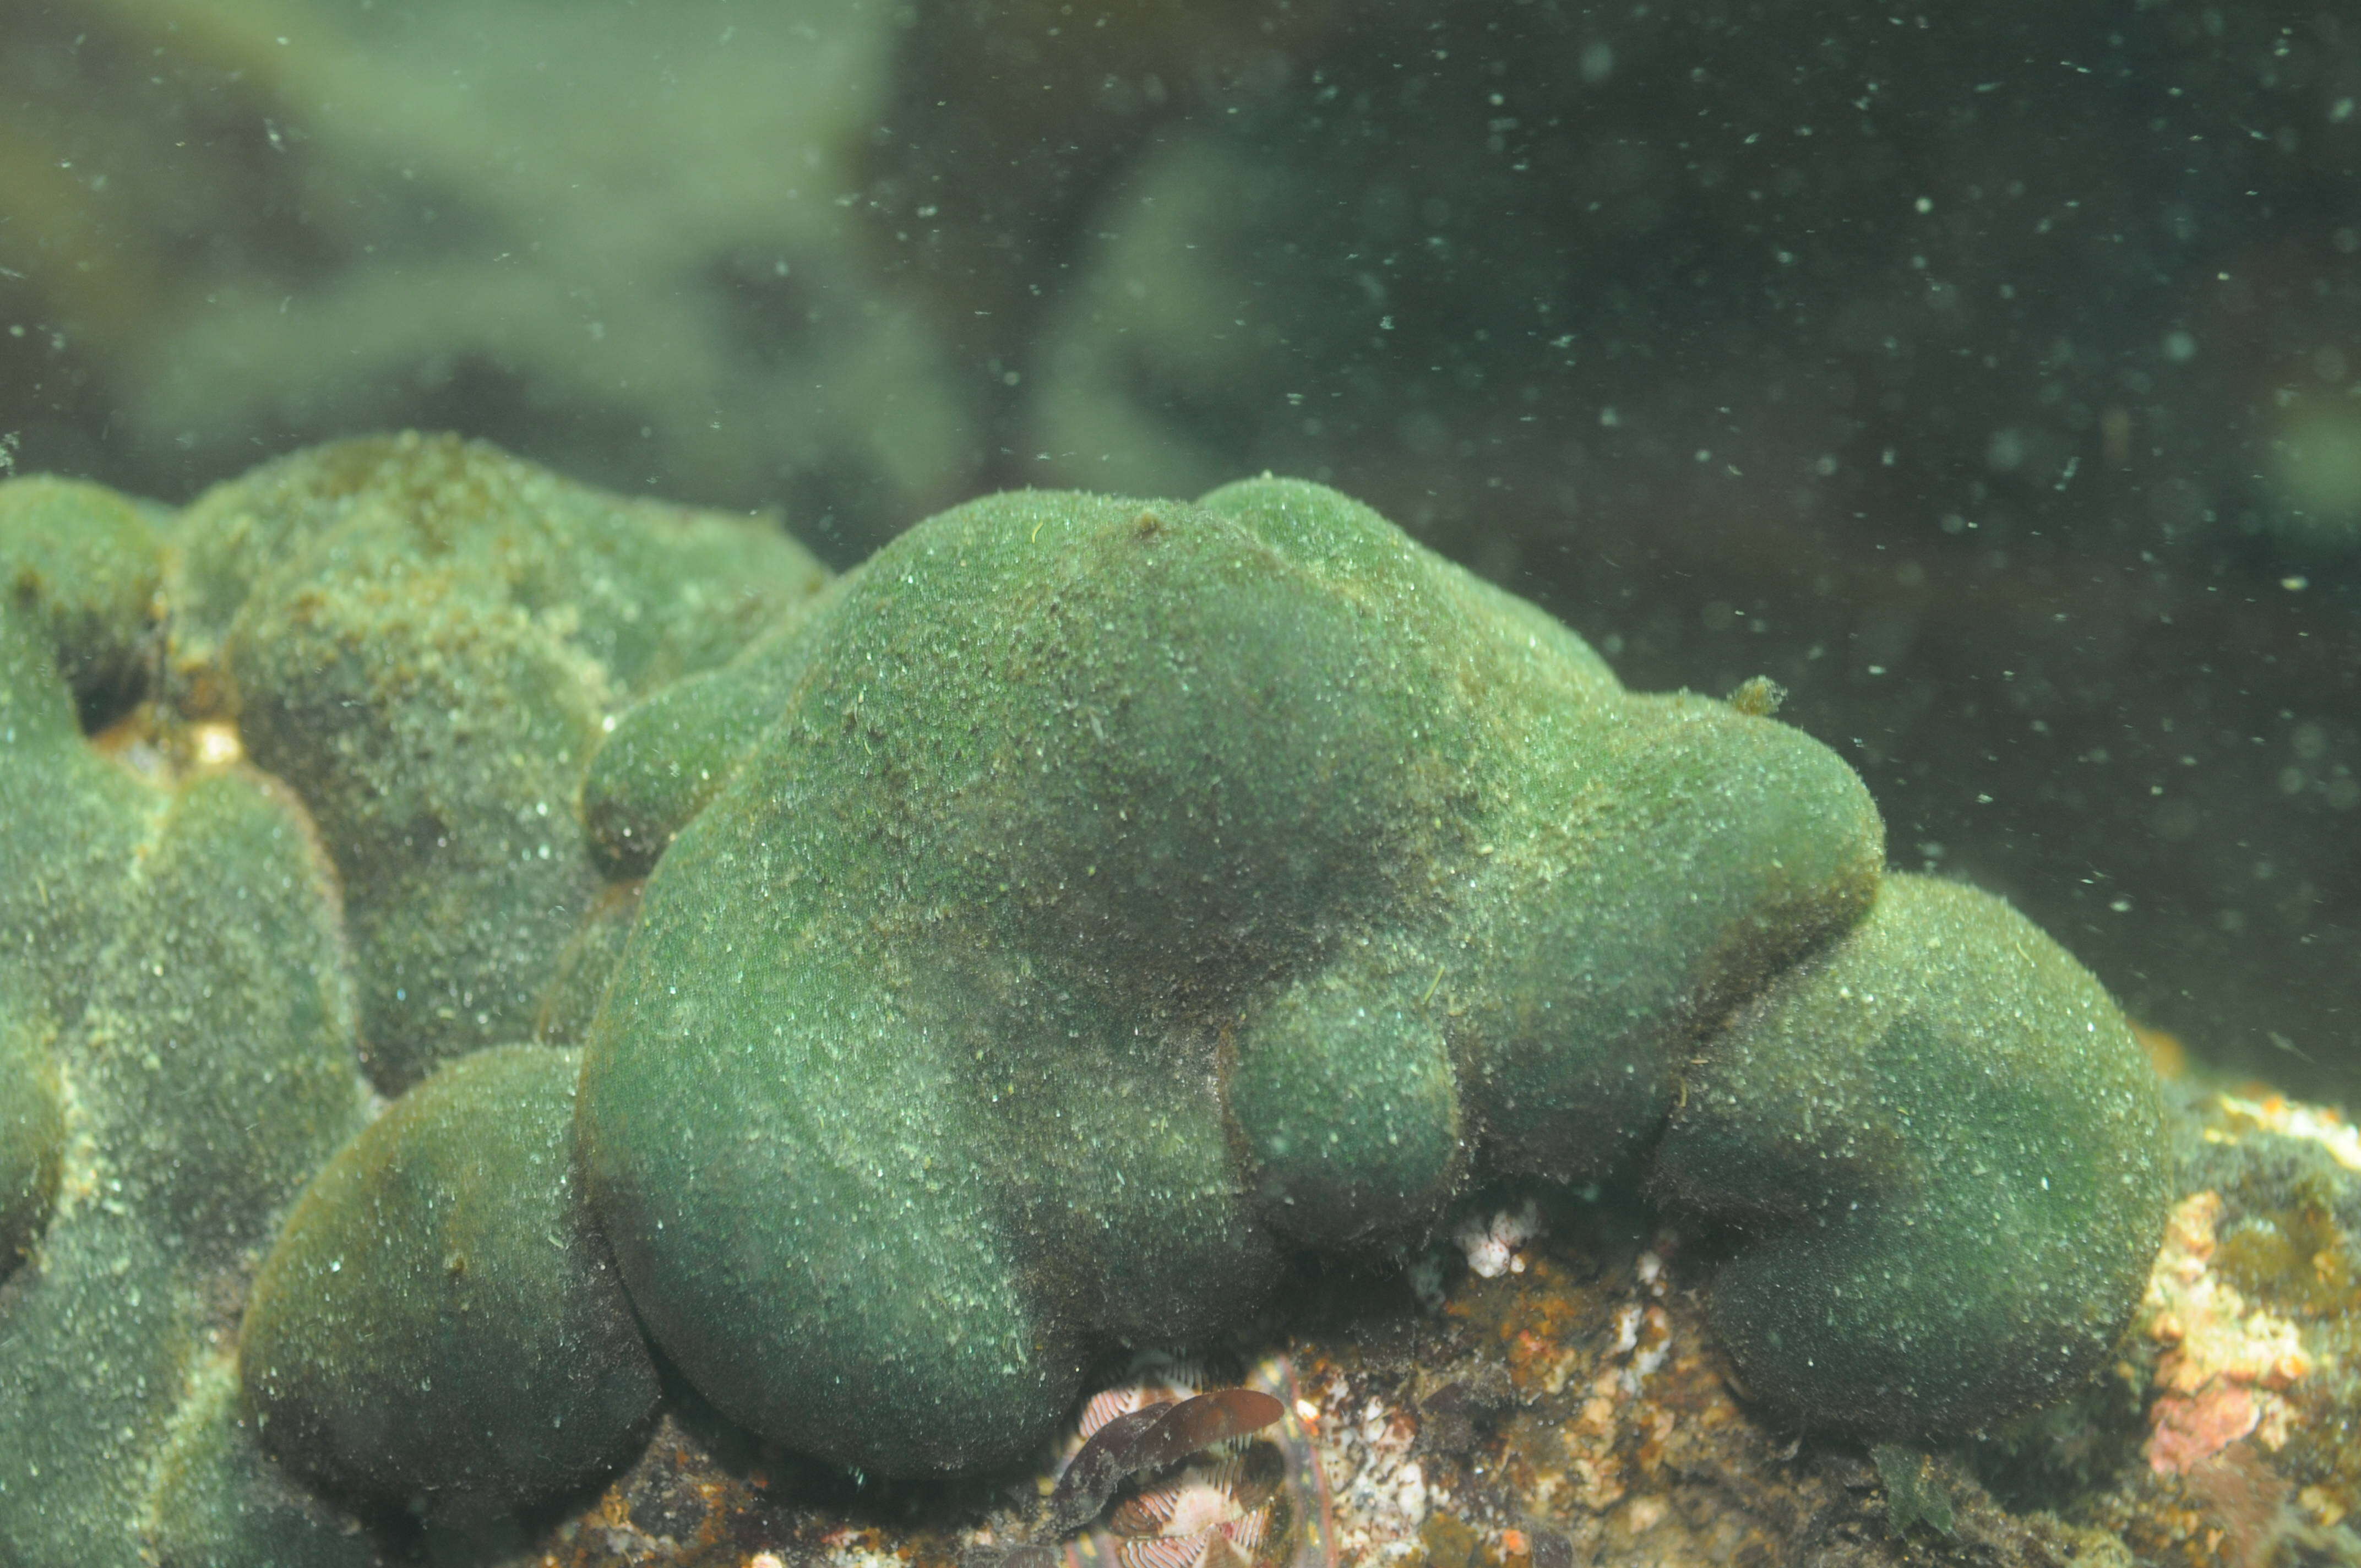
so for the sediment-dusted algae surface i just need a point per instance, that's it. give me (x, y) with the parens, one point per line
(471, 940)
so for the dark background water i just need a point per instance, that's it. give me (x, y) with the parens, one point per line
(1989, 376)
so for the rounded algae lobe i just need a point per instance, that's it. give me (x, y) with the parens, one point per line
(1345, 1090)
(1045, 928)
(83, 564)
(1945, 1153)
(220, 1502)
(422, 637)
(668, 757)
(211, 1061)
(438, 1324)
(235, 1029)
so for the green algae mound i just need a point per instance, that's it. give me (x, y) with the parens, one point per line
(1046, 928)
(439, 1326)
(180, 998)
(175, 1001)
(422, 637)
(1117, 892)
(1939, 1137)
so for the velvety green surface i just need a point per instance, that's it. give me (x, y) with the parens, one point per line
(180, 1037)
(670, 755)
(422, 637)
(577, 979)
(176, 1044)
(1948, 1153)
(85, 564)
(1128, 889)
(1044, 928)
(221, 1502)
(32, 1136)
(212, 1069)
(439, 1326)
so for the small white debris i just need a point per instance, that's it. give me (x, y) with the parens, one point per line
(1491, 1245)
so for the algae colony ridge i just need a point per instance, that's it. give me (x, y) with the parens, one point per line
(473, 941)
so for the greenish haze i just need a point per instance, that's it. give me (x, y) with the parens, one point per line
(439, 1327)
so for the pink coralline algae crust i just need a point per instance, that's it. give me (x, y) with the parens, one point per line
(2228, 1365)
